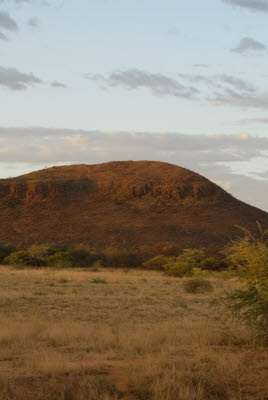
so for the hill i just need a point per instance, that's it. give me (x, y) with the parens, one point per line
(120, 203)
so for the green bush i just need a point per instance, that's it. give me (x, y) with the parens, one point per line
(157, 262)
(184, 264)
(60, 260)
(40, 253)
(192, 257)
(248, 255)
(178, 269)
(197, 286)
(21, 257)
(53, 255)
(211, 263)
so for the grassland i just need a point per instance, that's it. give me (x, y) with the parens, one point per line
(121, 334)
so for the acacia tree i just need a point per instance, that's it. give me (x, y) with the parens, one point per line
(248, 255)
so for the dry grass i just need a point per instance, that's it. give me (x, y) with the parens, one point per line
(139, 336)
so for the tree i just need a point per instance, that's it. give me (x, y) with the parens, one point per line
(248, 255)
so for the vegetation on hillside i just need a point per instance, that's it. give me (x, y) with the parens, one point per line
(160, 257)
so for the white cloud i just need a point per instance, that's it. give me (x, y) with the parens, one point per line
(72, 145)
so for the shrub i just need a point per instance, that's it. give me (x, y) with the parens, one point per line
(211, 263)
(157, 262)
(21, 257)
(39, 254)
(249, 256)
(60, 260)
(5, 251)
(192, 257)
(197, 286)
(83, 257)
(178, 269)
(99, 280)
(115, 257)
(98, 264)
(92, 388)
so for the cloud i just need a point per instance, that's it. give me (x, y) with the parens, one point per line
(263, 174)
(33, 22)
(210, 155)
(242, 100)
(158, 84)
(252, 5)
(237, 83)
(200, 65)
(223, 89)
(57, 84)
(219, 89)
(249, 45)
(42, 3)
(220, 81)
(29, 144)
(174, 31)
(15, 1)
(3, 36)
(7, 23)
(247, 121)
(15, 80)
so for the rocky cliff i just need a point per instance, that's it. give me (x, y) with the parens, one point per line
(126, 203)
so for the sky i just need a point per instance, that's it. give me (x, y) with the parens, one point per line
(181, 81)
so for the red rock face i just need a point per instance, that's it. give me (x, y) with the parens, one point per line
(83, 188)
(41, 190)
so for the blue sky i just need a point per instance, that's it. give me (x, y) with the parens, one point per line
(97, 80)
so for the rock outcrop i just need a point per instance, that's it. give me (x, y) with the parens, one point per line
(130, 203)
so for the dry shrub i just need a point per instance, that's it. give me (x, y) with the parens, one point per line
(49, 364)
(86, 388)
(197, 286)
(18, 332)
(7, 392)
(94, 388)
(197, 379)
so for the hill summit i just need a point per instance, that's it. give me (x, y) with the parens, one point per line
(120, 203)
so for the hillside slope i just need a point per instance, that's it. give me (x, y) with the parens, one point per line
(120, 203)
